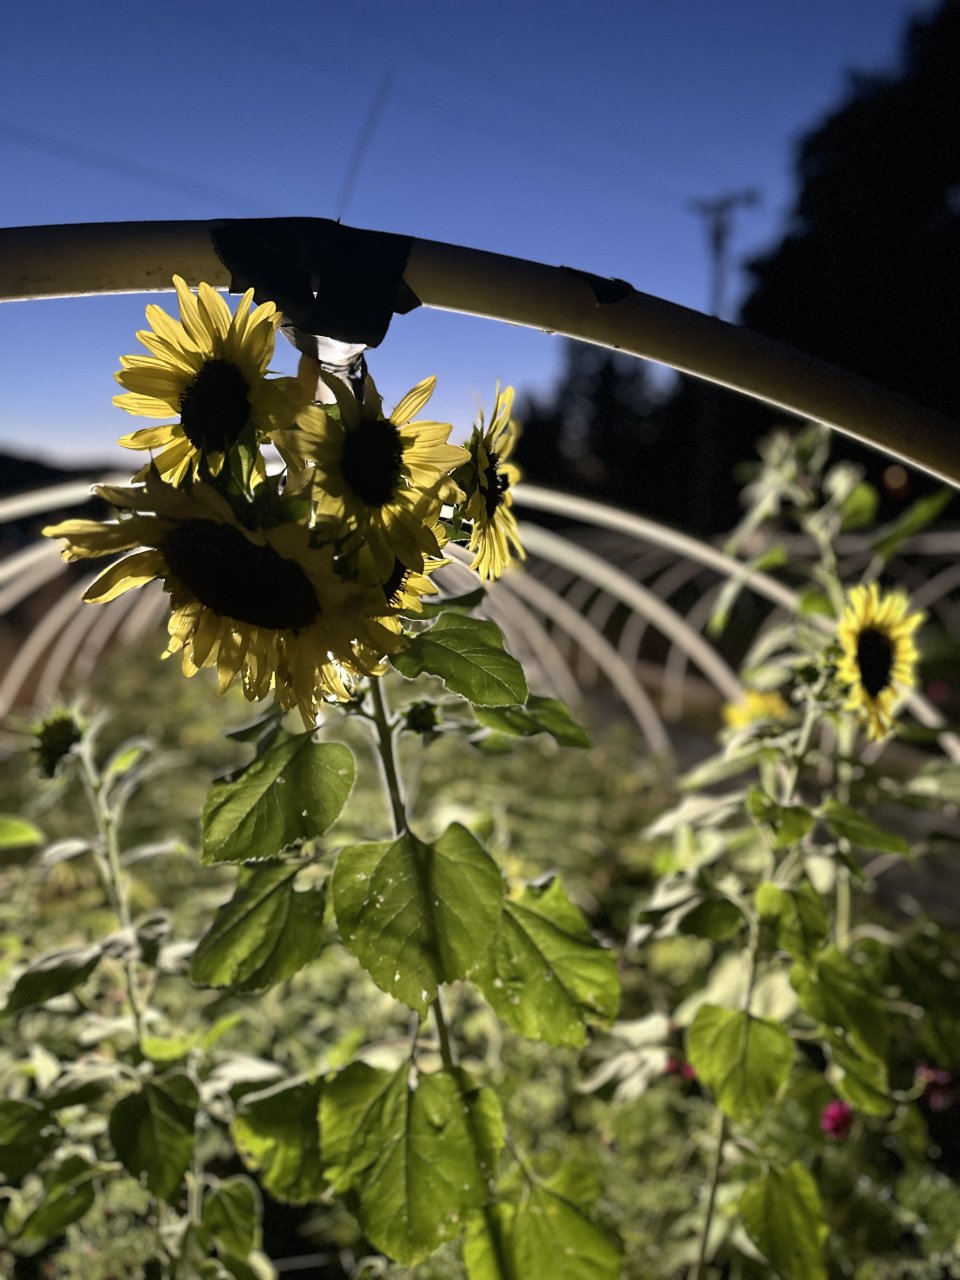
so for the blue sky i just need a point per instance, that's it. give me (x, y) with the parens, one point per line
(572, 134)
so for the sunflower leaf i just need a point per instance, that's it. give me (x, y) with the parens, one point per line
(537, 715)
(923, 512)
(152, 1132)
(799, 917)
(468, 655)
(417, 1155)
(68, 1194)
(277, 1135)
(266, 933)
(543, 1236)
(26, 1137)
(783, 1216)
(293, 792)
(744, 1061)
(545, 974)
(417, 914)
(850, 824)
(835, 989)
(18, 833)
(232, 1212)
(53, 975)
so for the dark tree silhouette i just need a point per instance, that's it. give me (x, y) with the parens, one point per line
(868, 274)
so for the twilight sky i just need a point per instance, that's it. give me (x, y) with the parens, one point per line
(573, 134)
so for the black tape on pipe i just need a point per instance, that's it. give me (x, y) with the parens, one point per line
(328, 279)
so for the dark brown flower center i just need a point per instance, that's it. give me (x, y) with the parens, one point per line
(396, 582)
(874, 659)
(215, 407)
(372, 454)
(496, 485)
(237, 579)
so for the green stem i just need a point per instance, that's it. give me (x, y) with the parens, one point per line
(442, 1034)
(696, 1271)
(387, 757)
(115, 885)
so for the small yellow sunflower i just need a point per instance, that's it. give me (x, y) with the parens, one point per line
(879, 657)
(210, 369)
(385, 477)
(259, 603)
(755, 705)
(487, 480)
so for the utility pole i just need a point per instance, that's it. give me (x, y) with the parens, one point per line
(718, 215)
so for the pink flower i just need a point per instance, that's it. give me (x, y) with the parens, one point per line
(836, 1119)
(939, 1091)
(675, 1067)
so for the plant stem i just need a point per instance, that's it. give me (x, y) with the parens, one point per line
(111, 872)
(696, 1271)
(387, 757)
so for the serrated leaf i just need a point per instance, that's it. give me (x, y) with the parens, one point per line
(545, 974)
(744, 1061)
(913, 520)
(715, 918)
(782, 1215)
(469, 600)
(861, 1081)
(537, 715)
(416, 914)
(277, 1135)
(231, 1213)
(18, 833)
(26, 1137)
(152, 1132)
(837, 991)
(265, 934)
(788, 823)
(799, 916)
(851, 825)
(293, 792)
(468, 656)
(69, 1193)
(53, 975)
(416, 1155)
(543, 1236)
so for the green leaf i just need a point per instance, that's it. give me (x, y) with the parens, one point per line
(416, 1155)
(861, 1081)
(231, 1213)
(859, 508)
(851, 825)
(546, 975)
(783, 1217)
(26, 1137)
(838, 991)
(789, 823)
(538, 715)
(715, 918)
(468, 655)
(772, 557)
(69, 1193)
(744, 1061)
(152, 1132)
(469, 600)
(799, 916)
(913, 520)
(277, 1134)
(293, 792)
(266, 933)
(18, 833)
(53, 975)
(415, 914)
(543, 1236)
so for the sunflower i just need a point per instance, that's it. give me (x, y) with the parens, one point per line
(210, 369)
(754, 706)
(384, 477)
(259, 603)
(878, 654)
(487, 480)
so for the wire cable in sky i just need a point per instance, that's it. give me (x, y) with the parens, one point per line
(364, 138)
(95, 158)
